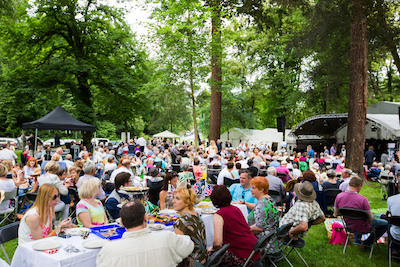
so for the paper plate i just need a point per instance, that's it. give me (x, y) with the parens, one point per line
(156, 226)
(209, 211)
(77, 231)
(46, 245)
(95, 243)
(169, 211)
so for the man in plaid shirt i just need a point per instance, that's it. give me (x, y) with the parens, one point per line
(305, 209)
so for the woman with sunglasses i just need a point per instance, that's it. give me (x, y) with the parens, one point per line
(37, 221)
(191, 224)
(169, 185)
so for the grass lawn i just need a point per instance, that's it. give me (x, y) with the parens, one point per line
(318, 252)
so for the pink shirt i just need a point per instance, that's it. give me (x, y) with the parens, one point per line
(353, 200)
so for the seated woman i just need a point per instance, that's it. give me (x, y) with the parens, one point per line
(37, 221)
(191, 224)
(19, 179)
(264, 218)
(185, 176)
(230, 227)
(50, 177)
(310, 176)
(154, 183)
(115, 198)
(6, 184)
(169, 185)
(197, 169)
(90, 211)
(29, 168)
(332, 182)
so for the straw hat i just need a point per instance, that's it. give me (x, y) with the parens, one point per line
(305, 191)
(37, 172)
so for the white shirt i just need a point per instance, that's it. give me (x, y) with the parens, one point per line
(7, 154)
(110, 166)
(7, 185)
(345, 184)
(222, 174)
(54, 180)
(141, 141)
(146, 248)
(118, 171)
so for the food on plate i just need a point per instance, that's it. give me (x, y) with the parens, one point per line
(134, 188)
(109, 233)
(163, 218)
(205, 205)
(209, 211)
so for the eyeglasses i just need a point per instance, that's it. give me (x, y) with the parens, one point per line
(243, 194)
(56, 196)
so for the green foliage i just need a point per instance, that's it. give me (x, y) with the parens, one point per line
(106, 129)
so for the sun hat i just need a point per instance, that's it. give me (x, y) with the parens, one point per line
(305, 191)
(37, 172)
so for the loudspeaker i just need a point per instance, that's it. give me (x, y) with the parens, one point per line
(280, 122)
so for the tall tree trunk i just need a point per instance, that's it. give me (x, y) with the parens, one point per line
(357, 109)
(191, 74)
(216, 72)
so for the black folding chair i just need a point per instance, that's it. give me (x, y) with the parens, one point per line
(281, 233)
(361, 215)
(276, 195)
(261, 244)
(176, 167)
(10, 213)
(8, 233)
(228, 182)
(212, 175)
(282, 176)
(392, 220)
(297, 244)
(216, 257)
(331, 194)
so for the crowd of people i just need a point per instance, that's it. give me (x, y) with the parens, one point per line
(277, 187)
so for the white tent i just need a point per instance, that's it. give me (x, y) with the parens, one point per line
(166, 134)
(268, 136)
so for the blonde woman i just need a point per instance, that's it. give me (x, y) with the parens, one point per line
(191, 224)
(89, 211)
(37, 221)
(212, 150)
(6, 184)
(50, 177)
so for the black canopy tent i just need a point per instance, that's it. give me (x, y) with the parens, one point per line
(58, 119)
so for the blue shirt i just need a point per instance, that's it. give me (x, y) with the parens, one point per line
(237, 191)
(274, 164)
(311, 153)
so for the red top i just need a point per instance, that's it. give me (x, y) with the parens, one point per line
(237, 233)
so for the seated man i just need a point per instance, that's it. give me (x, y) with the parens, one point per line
(393, 204)
(352, 199)
(346, 175)
(140, 246)
(304, 210)
(241, 192)
(275, 184)
(225, 173)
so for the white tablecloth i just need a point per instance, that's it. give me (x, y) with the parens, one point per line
(26, 256)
